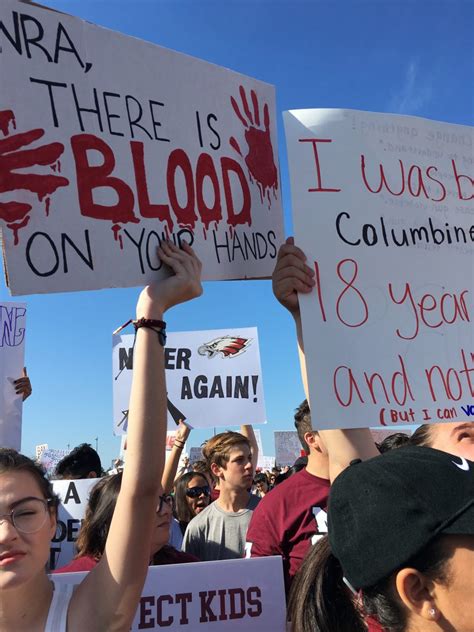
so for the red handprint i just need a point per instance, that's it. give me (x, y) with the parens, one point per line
(259, 159)
(12, 158)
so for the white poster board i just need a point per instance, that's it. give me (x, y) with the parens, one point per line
(226, 596)
(50, 457)
(74, 496)
(383, 209)
(287, 447)
(12, 360)
(131, 144)
(195, 454)
(213, 378)
(266, 463)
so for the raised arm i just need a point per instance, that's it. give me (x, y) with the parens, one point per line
(247, 431)
(293, 275)
(172, 462)
(108, 597)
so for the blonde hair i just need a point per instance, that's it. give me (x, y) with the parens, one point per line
(217, 449)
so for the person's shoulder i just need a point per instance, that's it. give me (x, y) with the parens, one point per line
(201, 518)
(253, 502)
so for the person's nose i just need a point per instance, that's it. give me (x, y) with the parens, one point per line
(8, 530)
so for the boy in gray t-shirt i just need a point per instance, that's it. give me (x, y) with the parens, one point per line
(219, 532)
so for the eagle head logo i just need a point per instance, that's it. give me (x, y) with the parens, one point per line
(226, 346)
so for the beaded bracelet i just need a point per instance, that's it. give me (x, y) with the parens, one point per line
(158, 326)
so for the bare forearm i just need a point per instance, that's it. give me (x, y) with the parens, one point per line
(147, 414)
(344, 446)
(247, 431)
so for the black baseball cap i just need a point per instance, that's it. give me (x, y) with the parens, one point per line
(385, 510)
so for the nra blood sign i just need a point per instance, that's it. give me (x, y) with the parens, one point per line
(109, 144)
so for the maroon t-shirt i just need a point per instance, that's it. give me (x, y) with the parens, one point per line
(288, 519)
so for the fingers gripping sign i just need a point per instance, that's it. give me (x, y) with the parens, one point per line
(291, 275)
(259, 158)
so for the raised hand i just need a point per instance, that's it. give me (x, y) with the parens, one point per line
(259, 158)
(13, 158)
(291, 275)
(23, 385)
(183, 285)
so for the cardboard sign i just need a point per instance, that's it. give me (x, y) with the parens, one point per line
(383, 209)
(12, 354)
(213, 378)
(126, 144)
(74, 496)
(287, 447)
(225, 596)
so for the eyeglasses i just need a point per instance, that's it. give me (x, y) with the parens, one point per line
(166, 499)
(29, 515)
(194, 492)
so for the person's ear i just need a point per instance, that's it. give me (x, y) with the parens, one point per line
(416, 592)
(92, 475)
(313, 440)
(216, 470)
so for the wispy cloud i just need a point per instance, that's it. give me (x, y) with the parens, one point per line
(415, 93)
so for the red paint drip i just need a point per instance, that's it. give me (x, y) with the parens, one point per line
(6, 117)
(16, 227)
(117, 236)
(47, 204)
(204, 232)
(167, 233)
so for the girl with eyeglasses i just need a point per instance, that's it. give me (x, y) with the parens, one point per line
(93, 534)
(192, 495)
(108, 597)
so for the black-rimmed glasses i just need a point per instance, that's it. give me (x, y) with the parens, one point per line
(29, 515)
(165, 499)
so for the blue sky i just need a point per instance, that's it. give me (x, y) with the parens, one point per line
(403, 56)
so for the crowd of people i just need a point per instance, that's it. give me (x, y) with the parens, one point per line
(372, 537)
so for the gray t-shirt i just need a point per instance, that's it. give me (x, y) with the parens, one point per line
(215, 534)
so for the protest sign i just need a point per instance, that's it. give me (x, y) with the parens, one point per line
(224, 596)
(12, 354)
(266, 462)
(49, 458)
(383, 209)
(195, 454)
(287, 447)
(127, 144)
(74, 496)
(213, 378)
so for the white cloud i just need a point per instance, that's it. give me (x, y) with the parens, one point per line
(414, 94)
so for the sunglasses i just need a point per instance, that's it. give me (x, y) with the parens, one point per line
(194, 492)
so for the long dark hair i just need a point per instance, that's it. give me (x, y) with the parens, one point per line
(98, 517)
(182, 510)
(320, 601)
(13, 461)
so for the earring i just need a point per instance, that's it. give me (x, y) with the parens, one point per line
(432, 612)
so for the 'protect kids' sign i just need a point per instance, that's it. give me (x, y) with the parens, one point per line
(223, 596)
(384, 211)
(109, 144)
(213, 378)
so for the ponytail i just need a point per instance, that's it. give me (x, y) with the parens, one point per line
(319, 600)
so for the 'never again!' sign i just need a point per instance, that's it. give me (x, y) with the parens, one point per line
(213, 378)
